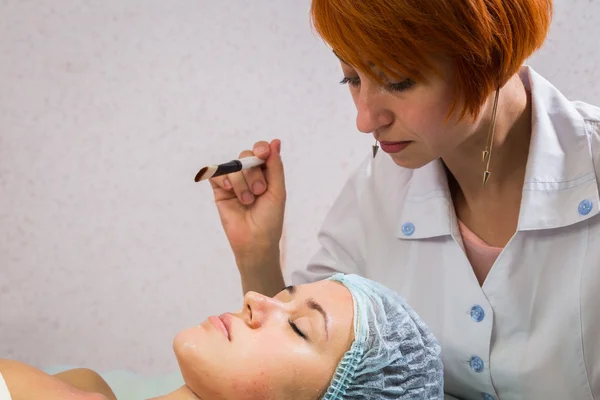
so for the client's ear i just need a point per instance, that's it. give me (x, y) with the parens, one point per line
(322, 393)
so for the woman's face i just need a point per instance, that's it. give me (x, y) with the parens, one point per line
(408, 118)
(285, 347)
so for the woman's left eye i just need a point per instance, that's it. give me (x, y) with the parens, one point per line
(297, 330)
(401, 86)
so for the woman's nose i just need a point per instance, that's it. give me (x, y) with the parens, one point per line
(258, 308)
(371, 115)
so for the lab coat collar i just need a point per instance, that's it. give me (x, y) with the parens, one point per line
(428, 210)
(560, 172)
(560, 179)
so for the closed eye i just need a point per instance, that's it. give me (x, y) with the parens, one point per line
(298, 331)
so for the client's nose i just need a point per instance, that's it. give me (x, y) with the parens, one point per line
(258, 308)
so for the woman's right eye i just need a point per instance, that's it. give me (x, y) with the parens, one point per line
(354, 82)
(298, 331)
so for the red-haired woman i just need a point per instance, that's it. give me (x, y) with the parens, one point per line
(482, 209)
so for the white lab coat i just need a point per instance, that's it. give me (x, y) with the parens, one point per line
(539, 334)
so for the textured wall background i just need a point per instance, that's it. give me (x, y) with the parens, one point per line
(107, 109)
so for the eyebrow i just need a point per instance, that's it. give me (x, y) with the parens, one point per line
(313, 305)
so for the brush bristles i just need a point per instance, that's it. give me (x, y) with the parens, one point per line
(205, 173)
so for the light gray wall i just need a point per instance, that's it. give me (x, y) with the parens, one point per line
(108, 108)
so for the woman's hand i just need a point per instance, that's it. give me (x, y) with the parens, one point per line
(251, 206)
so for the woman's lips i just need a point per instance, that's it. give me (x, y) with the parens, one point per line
(221, 325)
(393, 147)
(226, 319)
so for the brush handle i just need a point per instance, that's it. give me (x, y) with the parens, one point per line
(238, 165)
(229, 167)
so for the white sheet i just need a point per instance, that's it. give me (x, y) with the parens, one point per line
(4, 394)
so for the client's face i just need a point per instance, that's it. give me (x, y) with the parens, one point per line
(286, 347)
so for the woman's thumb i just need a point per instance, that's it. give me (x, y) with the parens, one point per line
(274, 172)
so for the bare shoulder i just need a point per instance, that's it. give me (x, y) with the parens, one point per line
(26, 382)
(87, 380)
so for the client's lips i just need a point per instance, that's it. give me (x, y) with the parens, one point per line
(220, 325)
(226, 319)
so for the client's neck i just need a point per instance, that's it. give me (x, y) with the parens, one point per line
(183, 393)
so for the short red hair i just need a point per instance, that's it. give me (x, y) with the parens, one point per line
(486, 40)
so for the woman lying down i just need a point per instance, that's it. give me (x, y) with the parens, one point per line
(342, 338)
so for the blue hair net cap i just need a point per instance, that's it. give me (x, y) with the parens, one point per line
(393, 356)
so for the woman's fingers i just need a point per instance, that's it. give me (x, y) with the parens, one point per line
(245, 185)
